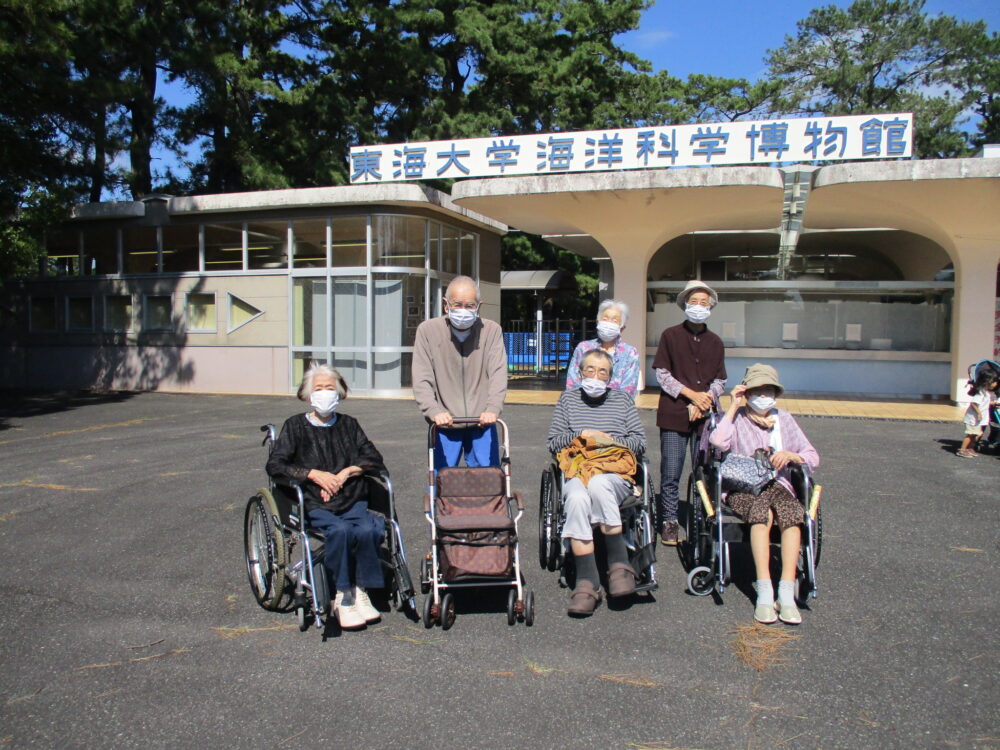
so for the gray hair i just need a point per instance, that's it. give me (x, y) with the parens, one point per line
(459, 280)
(318, 368)
(600, 354)
(617, 303)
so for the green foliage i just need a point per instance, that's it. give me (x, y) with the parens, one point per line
(884, 56)
(525, 252)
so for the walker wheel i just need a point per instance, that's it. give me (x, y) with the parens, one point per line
(430, 612)
(512, 607)
(529, 608)
(700, 580)
(447, 611)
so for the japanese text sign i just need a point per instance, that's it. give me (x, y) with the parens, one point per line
(753, 142)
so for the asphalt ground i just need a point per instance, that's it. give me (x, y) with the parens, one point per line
(127, 620)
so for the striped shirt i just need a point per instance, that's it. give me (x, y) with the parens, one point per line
(614, 413)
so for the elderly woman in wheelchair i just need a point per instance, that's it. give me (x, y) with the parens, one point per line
(329, 454)
(586, 418)
(753, 423)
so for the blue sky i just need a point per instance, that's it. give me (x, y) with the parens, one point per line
(730, 38)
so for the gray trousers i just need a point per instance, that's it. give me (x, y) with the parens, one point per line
(673, 450)
(597, 502)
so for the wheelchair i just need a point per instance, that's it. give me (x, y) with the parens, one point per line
(712, 527)
(284, 556)
(638, 528)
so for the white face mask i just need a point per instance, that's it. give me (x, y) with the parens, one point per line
(324, 402)
(697, 313)
(593, 387)
(608, 331)
(761, 403)
(462, 319)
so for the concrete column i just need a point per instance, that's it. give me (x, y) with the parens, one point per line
(630, 288)
(972, 327)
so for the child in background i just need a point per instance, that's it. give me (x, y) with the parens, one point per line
(977, 415)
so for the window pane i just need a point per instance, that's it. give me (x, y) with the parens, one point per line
(100, 251)
(240, 312)
(63, 253)
(398, 241)
(398, 309)
(267, 245)
(310, 243)
(350, 238)
(201, 312)
(43, 313)
(309, 312)
(392, 370)
(301, 361)
(449, 249)
(223, 247)
(139, 249)
(118, 312)
(350, 323)
(158, 312)
(354, 367)
(467, 244)
(434, 248)
(80, 314)
(180, 248)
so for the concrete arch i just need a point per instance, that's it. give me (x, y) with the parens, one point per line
(952, 202)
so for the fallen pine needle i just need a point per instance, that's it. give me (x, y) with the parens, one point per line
(147, 645)
(496, 673)
(102, 666)
(759, 646)
(631, 679)
(171, 652)
(237, 632)
(967, 549)
(535, 668)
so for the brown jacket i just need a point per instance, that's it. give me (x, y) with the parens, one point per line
(586, 458)
(463, 378)
(694, 359)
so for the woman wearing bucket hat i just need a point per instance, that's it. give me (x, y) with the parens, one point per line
(753, 422)
(690, 368)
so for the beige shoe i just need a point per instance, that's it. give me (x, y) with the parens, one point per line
(349, 616)
(765, 613)
(364, 605)
(788, 613)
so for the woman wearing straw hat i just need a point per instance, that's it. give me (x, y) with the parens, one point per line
(690, 368)
(752, 422)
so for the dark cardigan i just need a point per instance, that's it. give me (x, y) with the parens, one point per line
(302, 447)
(693, 358)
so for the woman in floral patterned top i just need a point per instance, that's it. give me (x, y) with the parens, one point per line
(612, 316)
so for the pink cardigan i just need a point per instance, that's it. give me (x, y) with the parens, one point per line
(743, 437)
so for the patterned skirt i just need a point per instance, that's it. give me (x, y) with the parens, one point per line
(753, 508)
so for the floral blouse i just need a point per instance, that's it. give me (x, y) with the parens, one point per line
(624, 366)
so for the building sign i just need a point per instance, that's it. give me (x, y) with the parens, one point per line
(753, 142)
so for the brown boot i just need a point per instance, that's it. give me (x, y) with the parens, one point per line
(621, 580)
(584, 599)
(669, 532)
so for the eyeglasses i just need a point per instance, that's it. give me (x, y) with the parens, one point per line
(591, 371)
(463, 305)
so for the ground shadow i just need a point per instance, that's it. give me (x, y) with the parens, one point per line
(23, 404)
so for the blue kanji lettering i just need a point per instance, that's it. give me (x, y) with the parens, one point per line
(815, 133)
(609, 150)
(710, 143)
(645, 145)
(556, 154)
(669, 143)
(410, 162)
(452, 157)
(503, 155)
(366, 163)
(833, 134)
(773, 139)
(895, 137)
(871, 137)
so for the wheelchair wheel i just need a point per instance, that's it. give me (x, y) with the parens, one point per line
(301, 617)
(546, 510)
(403, 591)
(819, 532)
(265, 552)
(425, 575)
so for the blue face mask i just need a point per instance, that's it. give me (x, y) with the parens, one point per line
(462, 319)
(697, 313)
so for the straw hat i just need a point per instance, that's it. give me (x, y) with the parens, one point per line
(699, 286)
(760, 374)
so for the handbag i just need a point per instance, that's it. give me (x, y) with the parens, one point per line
(749, 474)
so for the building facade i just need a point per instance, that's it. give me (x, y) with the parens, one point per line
(239, 292)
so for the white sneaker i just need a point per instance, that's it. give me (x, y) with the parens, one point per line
(364, 605)
(349, 616)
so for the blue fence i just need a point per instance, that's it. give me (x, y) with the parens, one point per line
(558, 340)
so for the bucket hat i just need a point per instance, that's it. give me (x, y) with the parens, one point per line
(693, 286)
(760, 374)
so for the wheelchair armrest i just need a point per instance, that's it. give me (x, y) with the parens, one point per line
(289, 483)
(272, 433)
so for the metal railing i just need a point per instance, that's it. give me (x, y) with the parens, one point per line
(543, 348)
